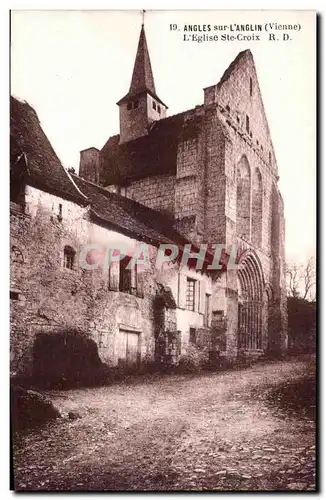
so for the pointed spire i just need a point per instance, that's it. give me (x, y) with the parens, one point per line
(142, 80)
(142, 76)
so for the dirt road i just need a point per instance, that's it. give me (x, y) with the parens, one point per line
(235, 430)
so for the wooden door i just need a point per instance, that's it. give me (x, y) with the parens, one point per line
(132, 350)
(127, 349)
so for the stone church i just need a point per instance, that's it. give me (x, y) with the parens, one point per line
(205, 176)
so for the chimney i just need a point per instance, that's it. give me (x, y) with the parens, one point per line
(89, 164)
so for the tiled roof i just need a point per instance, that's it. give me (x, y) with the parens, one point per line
(42, 166)
(32, 152)
(134, 219)
(153, 154)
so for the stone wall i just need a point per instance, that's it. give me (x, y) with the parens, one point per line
(137, 114)
(225, 191)
(133, 122)
(235, 107)
(47, 297)
(89, 165)
(155, 192)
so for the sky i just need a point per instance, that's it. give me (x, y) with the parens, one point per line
(73, 66)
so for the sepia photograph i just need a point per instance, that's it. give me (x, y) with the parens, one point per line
(163, 250)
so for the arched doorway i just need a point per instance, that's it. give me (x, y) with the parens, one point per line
(250, 303)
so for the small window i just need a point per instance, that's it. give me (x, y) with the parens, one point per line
(190, 294)
(238, 119)
(14, 295)
(60, 212)
(124, 275)
(207, 309)
(127, 277)
(217, 317)
(257, 142)
(17, 255)
(250, 86)
(129, 106)
(159, 109)
(228, 108)
(136, 104)
(192, 335)
(247, 124)
(261, 147)
(69, 257)
(154, 105)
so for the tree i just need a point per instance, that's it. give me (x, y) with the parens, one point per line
(293, 279)
(309, 279)
(301, 280)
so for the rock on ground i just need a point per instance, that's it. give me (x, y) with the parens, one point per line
(30, 408)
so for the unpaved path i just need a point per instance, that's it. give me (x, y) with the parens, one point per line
(214, 431)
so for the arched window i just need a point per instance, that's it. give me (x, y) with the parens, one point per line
(69, 257)
(243, 199)
(17, 255)
(257, 208)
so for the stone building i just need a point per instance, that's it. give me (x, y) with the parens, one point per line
(205, 176)
(213, 171)
(135, 315)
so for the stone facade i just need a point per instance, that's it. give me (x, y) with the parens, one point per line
(155, 192)
(224, 190)
(216, 185)
(47, 297)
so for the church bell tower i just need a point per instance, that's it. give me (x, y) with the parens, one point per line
(140, 106)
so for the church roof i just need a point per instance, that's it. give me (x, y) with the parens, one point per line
(134, 219)
(156, 152)
(42, 167)
(142, 77)
(137, 220)
(152, 154)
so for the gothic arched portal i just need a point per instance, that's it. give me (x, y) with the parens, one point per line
(250, 293)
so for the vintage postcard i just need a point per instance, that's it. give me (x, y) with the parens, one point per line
(163, 281)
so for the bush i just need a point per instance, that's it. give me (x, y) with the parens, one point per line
(301, 325)
(29, 408)
(66, 359)
(194, 359)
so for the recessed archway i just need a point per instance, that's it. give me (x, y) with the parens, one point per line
(250, 296)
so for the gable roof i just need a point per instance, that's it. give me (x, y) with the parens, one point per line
(152, 154)
(156, 152)
(137, 220)
(229, 70)
(31, 151)
(42, 167)
(245, 58)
